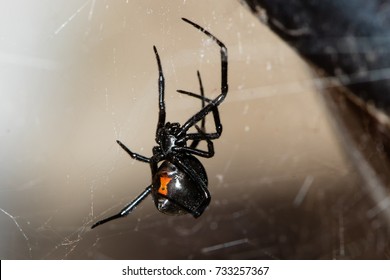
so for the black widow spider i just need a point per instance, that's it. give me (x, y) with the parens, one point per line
(179, 184)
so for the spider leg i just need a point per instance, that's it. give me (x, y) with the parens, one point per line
(174, 201)
(133, 155)
(203, 186)
(195, 142)
(161, 89)
(217, 121)
(155, 159)
(218, 126)
(224, 84)
(207, 154)
(126, 210)
(203, 123)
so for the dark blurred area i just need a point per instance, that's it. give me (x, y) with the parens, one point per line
(347, 39)
(347, 44)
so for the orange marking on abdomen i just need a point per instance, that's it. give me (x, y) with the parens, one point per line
(164, 181)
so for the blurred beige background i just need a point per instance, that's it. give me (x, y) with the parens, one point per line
(77, 75)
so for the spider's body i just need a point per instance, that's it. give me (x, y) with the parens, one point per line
(176, 191)
(167, 138)
(179, 180)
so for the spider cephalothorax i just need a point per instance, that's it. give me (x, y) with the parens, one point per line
(167, 138)
(179, 180)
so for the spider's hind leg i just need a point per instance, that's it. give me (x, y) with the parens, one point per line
(127, 209)
(132, 154)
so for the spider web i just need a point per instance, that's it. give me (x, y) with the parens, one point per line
(281, 185)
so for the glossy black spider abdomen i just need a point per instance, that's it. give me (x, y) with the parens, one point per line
(176, 191)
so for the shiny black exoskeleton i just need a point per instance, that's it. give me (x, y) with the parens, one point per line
(176, 191)
(179, 183)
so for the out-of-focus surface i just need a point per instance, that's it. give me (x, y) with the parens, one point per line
(353, 62)
(348, 40)
(76, 76)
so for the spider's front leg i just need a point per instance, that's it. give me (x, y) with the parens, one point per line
(196, 137)
(224, 83)
(161, 90)
(217, 121)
